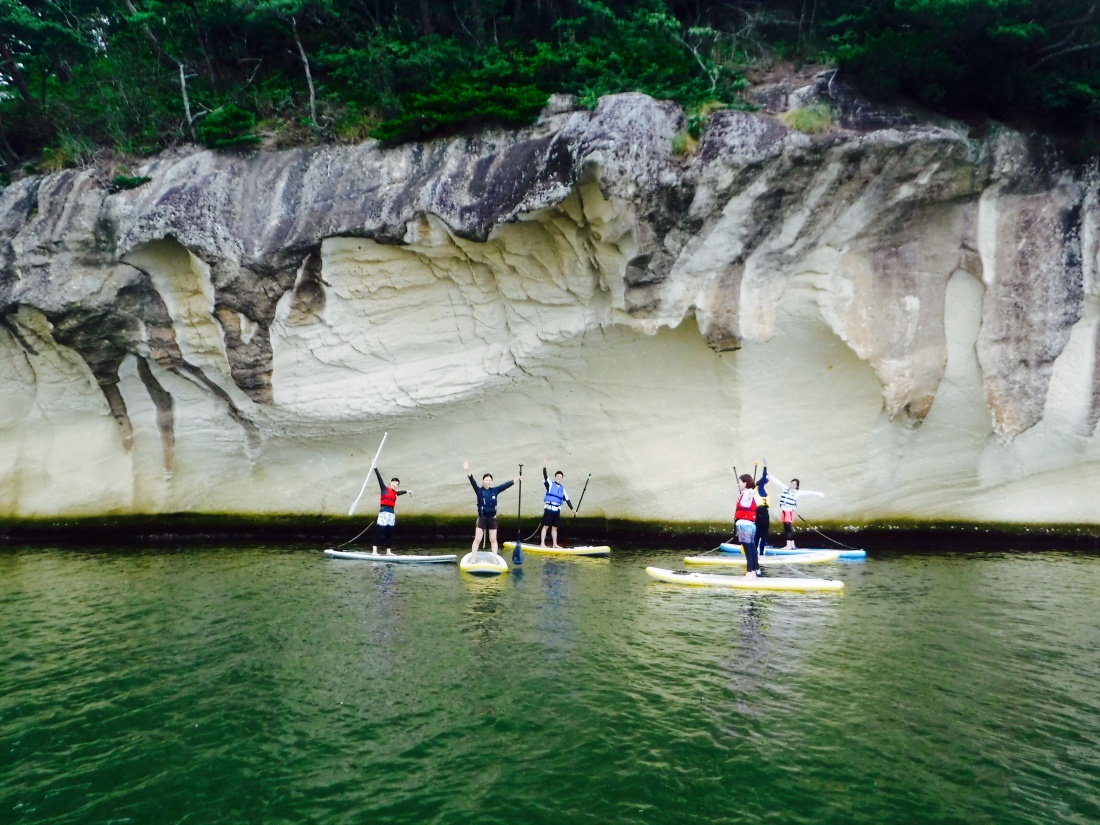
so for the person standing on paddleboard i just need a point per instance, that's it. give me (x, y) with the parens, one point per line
(387, 519)
(745, 523)
(763, 518)
(787, 504)
(487, 506)
(551, 505)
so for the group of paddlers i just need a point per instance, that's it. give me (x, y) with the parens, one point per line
(751, 519)
(553, 499)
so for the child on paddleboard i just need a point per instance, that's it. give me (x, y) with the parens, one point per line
(487, 507)
(787, 504)
(745, 523)
(551, 505)
(387, 519)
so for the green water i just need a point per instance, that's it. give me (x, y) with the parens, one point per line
(254, 684)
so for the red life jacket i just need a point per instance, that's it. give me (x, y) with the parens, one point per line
(389, 498)
(746, 513)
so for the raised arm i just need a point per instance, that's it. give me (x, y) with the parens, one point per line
(381, 483)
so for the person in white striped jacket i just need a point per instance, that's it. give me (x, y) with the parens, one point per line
(787, 504)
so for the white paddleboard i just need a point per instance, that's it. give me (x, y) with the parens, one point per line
(479, 563)
(395, 559)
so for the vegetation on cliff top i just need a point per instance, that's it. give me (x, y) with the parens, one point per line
(137, 76)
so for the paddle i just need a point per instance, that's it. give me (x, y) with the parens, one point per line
(517, 554)
(366, 481)
(577, 509)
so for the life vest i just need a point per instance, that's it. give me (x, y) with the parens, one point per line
(389, 497)
(746, 512)
(555, 495)
(487, 502)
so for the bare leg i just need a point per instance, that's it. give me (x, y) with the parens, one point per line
(554, 535)
(478, 533)
(493, 541)
(542, 541)
(374, 551)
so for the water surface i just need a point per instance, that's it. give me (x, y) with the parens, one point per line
(268, 684)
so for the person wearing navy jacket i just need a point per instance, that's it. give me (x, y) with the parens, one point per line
(487, 506)
(763, 519)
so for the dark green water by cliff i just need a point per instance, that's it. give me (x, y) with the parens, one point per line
(253, 684)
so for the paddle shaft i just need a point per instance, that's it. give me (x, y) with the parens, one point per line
(577, 509)
(366, 481)
(517, 554)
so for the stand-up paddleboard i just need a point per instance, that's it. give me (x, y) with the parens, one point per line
(404, 558)
(783, 551)
(743, 582)
(587, 550)
(482, 563)
(817, 557)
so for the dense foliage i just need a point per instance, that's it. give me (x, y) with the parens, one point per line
(139, 75)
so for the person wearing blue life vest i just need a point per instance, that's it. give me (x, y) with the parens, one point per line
(551, 505)
(487, 506)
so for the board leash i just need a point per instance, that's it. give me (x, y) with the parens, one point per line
(365, 529)
(718, 549)
(827, 538)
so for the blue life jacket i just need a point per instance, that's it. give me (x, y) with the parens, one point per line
(555, 495)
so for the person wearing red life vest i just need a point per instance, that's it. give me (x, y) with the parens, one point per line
(745, 522)
(387, 519)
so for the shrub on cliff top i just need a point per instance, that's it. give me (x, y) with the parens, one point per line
(228, 127)
(458, 102)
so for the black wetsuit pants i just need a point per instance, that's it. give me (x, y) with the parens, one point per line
(763, 522)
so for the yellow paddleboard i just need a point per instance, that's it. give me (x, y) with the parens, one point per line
(587, 550)
(478, 563)
(818, 557)
(743, 582)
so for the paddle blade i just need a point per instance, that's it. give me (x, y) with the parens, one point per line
(517, 554)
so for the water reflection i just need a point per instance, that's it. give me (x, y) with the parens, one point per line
(746, 668)
(482, 615)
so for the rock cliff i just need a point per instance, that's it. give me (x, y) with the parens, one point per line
(900, 314)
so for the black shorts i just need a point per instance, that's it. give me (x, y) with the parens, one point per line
(551, 518)
(487, 522)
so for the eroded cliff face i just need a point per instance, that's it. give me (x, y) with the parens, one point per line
(902, 316)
